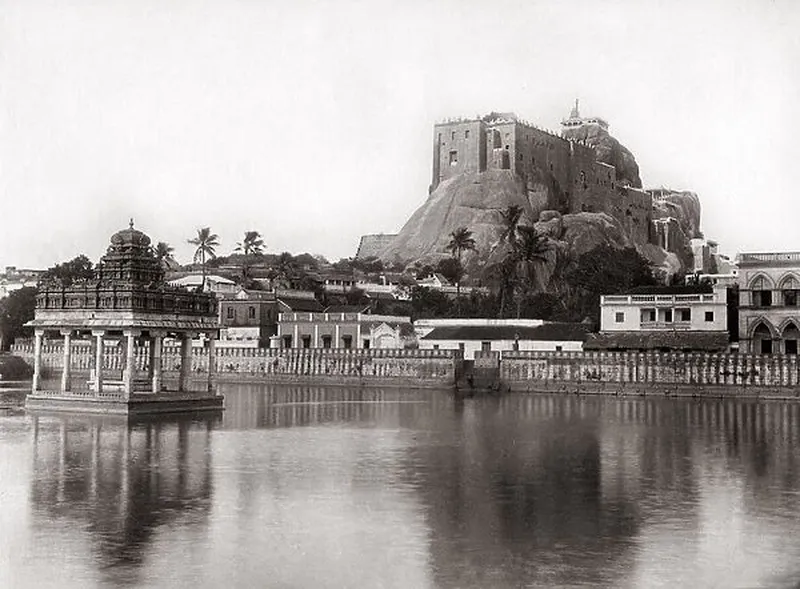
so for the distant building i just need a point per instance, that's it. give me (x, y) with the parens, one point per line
(213, 283)
(769, 313)
(16, 278)
(250, 318)
(341, 330)
(491, 335)
(691, 318)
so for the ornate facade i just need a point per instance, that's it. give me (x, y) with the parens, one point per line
(769, 302)
(126, 304)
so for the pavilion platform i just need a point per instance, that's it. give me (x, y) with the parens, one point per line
(123, 315)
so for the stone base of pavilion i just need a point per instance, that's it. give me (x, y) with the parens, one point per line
(115, 403)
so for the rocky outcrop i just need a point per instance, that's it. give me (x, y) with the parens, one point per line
(609, 151)
(474, 200)
(683, 206)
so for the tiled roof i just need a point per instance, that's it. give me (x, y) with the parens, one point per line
(706, 341)
(557, 332)
(347, 309)
(304, 305)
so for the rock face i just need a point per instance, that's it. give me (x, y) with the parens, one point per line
(473, 200)
(683, 206)
(609, 151)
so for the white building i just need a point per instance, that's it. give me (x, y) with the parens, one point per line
(664, 318)
(498, 335)
(214, 283)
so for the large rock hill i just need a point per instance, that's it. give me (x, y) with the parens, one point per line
(476, 200)
(609, 151)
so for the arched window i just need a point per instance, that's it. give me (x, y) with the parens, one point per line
(762, 340)
(791, 335)
(790, 286)
(761, 290)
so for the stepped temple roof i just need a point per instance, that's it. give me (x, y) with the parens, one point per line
(127, 291)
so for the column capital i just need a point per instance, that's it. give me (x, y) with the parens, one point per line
(131, 332)
(67, 331)
(187, 335)
(162, 333)
(38, 332)
(98, 332)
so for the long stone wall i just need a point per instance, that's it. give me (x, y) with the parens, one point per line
(402, 367)
(660, 373)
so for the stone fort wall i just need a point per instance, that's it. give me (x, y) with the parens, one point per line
(580, 183)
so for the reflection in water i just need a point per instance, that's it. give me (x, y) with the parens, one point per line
(334, 487)
(120, 480)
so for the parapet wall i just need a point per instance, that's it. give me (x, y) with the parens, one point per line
(689, 374)
(420, 368)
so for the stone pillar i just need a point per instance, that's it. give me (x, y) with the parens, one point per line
(296, 336)
(316, 334)
(98, 361)
(130, 361)
(37, 359)
(212, 362)
(156, 343)
(336, 343)
(186, 362)
(67, 333)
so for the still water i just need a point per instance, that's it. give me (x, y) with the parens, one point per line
(327, 487)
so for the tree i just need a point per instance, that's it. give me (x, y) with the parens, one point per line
(205, 244)
(529, 252)
(16, 310)
(511, 217)
(251, 245)
(461, 240)
(605, 270)
(77, 269)
(163, 253)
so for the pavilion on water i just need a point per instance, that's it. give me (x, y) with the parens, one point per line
(126, 306)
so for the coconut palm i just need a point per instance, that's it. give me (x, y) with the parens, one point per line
(510, 217)
(461, 240)
(530, 251)
(163, 252)
(251, 245)
(205, 244)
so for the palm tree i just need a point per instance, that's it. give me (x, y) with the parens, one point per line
(251, 245)
(205, 243)
(511, 217)
(163, 252)
(530, 251)
(461, 240)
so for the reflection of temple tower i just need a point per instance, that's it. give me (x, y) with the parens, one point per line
(118, 482)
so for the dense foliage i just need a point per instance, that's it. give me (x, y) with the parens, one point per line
(78, 268)
(16, 309)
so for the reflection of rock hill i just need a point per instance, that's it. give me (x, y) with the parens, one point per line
(609, 151)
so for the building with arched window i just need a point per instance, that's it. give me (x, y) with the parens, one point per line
(769, 302)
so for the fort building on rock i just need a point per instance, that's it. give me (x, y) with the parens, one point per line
(570, 170)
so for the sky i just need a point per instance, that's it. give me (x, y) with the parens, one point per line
(312, 122)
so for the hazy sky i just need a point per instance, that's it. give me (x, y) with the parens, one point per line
(312, 121)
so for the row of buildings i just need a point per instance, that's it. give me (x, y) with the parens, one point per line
(753, 309)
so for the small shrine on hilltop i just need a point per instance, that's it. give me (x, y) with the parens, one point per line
(122, 318)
